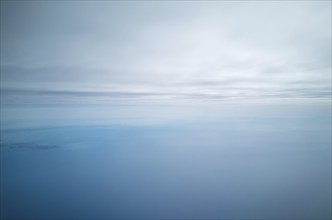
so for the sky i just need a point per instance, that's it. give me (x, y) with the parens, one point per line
(86, 52)
(176, 109)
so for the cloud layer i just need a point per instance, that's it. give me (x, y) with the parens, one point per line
(86, 52)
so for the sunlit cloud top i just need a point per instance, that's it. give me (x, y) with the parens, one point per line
(102, 52)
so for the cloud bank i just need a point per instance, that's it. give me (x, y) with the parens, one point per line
(104, 52)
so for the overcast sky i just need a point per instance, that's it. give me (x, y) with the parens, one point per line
(101, 52)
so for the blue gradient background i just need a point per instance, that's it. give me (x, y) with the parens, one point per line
(264, 164)
(165, 109)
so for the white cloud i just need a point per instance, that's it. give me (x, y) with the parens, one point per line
(169, 50)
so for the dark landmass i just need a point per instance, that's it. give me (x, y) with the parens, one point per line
(27, 145)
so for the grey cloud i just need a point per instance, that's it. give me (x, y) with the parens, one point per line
(16, 96)
(179, 49)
